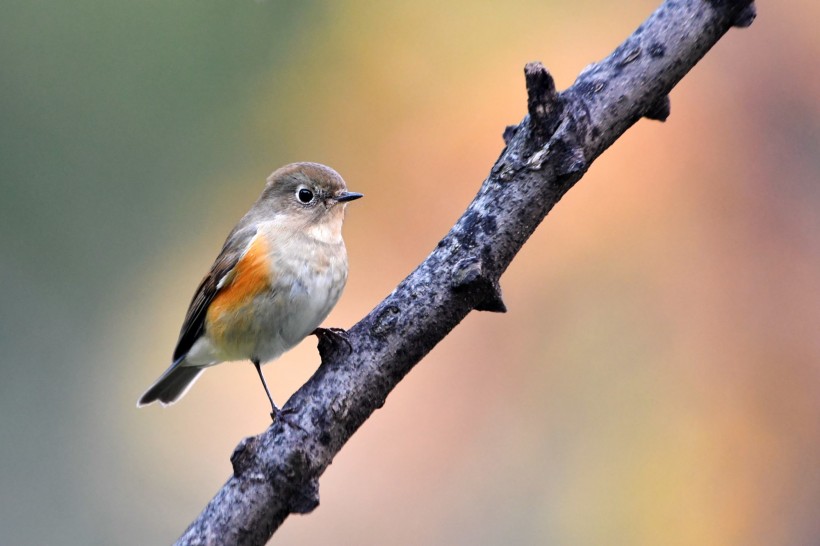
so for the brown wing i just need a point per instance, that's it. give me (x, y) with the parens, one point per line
(194, 324)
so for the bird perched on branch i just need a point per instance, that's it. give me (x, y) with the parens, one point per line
(280, 272)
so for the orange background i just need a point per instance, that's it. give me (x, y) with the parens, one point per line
(655, 380)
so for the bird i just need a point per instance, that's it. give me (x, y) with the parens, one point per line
(280, 272)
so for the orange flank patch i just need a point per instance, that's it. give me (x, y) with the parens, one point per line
(250, 277)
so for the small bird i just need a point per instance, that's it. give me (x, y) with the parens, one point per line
(280, 272)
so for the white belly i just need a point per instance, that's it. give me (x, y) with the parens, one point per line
(295, 309)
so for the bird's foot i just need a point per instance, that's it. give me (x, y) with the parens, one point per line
(281, 415)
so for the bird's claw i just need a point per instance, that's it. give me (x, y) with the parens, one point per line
(281, 415)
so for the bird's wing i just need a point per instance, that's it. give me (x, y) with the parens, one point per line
(220, 276)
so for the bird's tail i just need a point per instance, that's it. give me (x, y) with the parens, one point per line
(172, 385)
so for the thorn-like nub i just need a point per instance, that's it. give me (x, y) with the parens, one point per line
(330, 340)
(660, 110)
(509, 133)
(493, 302)
(743, 11)
(469, 277)
(746, 17)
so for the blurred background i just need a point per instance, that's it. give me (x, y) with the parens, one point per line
(655, 381)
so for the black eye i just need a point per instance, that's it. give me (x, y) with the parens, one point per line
(305, 195)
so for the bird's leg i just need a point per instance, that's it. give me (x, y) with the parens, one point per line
(276, 413)
(332, 336)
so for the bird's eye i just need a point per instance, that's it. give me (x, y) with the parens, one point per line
(304, 196)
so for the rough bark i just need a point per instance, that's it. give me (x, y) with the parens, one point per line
(277, 472)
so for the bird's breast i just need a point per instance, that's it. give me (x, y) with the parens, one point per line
(305, 278)
(280, 291)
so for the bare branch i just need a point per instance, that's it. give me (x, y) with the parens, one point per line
(277, 472)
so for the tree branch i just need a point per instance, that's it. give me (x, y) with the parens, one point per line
(277, 472)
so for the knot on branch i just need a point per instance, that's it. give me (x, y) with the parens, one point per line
(386, 321)
(543, 102)
(297, 480)
(628, 55)
(243, 457)
(306, 498)
(469, 277)
(504, 170)
(565, 154)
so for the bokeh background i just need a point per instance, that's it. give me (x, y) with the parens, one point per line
(655, 381)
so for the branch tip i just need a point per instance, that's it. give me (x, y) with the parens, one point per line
(543, 102)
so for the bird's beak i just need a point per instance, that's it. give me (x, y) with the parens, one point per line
(347, 196)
